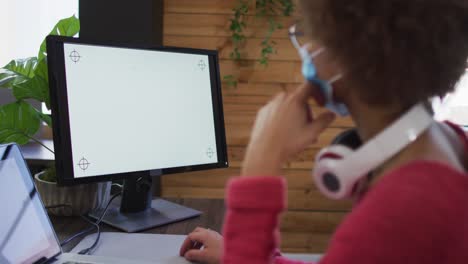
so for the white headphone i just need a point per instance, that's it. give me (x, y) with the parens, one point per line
(338, 168)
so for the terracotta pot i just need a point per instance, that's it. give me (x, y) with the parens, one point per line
(80, 199)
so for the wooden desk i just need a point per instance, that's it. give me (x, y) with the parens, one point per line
(212, 218)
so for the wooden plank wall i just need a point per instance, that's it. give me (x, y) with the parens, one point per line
(307, 225)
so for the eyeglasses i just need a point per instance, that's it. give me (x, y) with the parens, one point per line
(301, 43)
(295, 34)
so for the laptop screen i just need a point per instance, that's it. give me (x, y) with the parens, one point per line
(26, 234)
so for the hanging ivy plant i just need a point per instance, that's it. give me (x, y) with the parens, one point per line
(268, 10)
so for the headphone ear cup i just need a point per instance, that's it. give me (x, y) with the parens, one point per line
(349, 138)
(327, 179)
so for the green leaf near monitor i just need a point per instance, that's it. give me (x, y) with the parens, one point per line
(17, 71)
(28, 79)
(23, 67)
(65, 27)
(20, 121)
(34, 88)
(6, 78)
(42, 70)
(46, 118)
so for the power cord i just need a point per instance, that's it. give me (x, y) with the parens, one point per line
(120, 186)
(90, 249)
(90, 229)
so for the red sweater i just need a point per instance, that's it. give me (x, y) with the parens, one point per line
(417, 213)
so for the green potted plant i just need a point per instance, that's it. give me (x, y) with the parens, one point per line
(270, 11)
(20, 121)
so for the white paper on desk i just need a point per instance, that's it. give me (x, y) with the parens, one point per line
(161, 249)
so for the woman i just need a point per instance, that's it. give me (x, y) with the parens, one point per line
(379, 60)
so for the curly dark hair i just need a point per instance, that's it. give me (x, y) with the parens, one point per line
(394, 51)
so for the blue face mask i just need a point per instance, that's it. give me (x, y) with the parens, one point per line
(310, 73)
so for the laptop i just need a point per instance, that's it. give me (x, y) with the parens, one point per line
(26, 233)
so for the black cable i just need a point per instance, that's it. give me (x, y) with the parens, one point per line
(117, 185)
(90, 229)
(107, 207)
(93, 246)
(82, 233)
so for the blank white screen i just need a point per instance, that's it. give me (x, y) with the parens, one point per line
(136, 110)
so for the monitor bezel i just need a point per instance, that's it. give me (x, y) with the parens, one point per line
(60, 115)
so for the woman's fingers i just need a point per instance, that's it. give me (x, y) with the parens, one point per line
(199, 229)
(186, 246)
(200, 237)
(189, 244)
(202, 246)
(315, 128)
(194, 240)
(307, 91)
(200, 256)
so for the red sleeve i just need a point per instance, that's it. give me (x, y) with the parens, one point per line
(251, 233)
(411, 216)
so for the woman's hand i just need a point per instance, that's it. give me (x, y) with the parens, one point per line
(203, 246)
(283, 128)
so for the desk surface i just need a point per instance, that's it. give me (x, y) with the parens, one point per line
(212, 218)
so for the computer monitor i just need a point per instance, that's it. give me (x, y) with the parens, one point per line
(131, 112)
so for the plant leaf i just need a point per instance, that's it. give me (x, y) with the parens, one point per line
(19, 121)
(230, 80)
(6, 79)
(268, 10)
(42, 70)
(17, 71)
(49, 175)
(66, 27)
(24, 67)
(35, 88)
(46, 118)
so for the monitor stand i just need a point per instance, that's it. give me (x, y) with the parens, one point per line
(137, 210)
